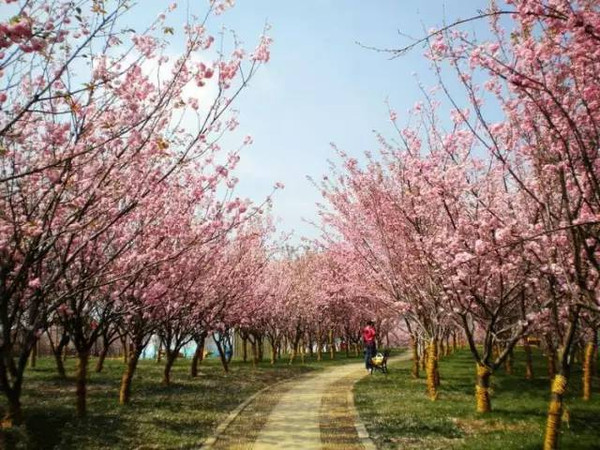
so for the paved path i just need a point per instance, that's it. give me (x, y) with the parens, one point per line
(294, 423)
(314, 411)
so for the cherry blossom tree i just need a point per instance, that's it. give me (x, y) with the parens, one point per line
(91, 127)
(541, 73)
(371, 209)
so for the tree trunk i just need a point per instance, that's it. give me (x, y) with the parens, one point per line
(171, 357)
(222, 357)
(60, 365)
(273, 351)
(59, 353)
(431, 370)
(101, 358)
(201, 355)
(595, 355)
(551, 357)
(293, 353)
(125, 391)
(496, 351)
(482, 389)
(559, 387)
(331, 346)
(81, 381)
(13, 415)
(588, 362)
(198, 355)
(260, 349)
(245, 350)
(508, 363)
(195, 358)
(555, 411)
(415, 357)
(551, 364)
(319, 347)
(159, 353)
(125, 349)
(33, 357)
(254, 350)
(347, 347)
(454, 344)
(528, 359)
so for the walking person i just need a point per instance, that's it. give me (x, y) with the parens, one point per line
(368, 335)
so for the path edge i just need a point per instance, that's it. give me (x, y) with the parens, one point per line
(361, 430)
(212, 439)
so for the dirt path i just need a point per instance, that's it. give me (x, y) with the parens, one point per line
(312, 412)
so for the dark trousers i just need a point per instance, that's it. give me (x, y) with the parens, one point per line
(370, 351)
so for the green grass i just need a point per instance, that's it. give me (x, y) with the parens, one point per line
(398, 414)
(177, 416)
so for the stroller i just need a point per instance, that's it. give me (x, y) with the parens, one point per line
(379, 362)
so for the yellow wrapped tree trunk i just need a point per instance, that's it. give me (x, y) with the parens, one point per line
(482, 389)
(431, 370)
(555, 411)
(588, 362)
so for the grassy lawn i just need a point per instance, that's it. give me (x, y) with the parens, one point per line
(177, 416)
(398, 414)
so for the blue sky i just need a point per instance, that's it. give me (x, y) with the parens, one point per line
(320, 85)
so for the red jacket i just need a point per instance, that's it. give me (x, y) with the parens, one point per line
(368, 334)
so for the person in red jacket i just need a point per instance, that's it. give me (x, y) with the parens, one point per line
(368, 335)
